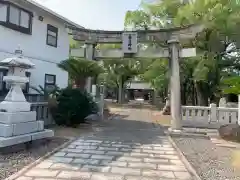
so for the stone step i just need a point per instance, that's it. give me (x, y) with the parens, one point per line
(17, 117)
(9, 141)
(9, 130)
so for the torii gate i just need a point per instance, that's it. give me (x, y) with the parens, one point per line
(130, 39)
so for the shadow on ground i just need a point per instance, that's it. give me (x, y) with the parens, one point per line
(136, 145)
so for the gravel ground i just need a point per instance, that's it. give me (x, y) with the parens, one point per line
(10, 163)
(210, 161)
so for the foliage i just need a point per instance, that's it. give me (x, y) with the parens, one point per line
(73, 107)
(231, 85)
(157, 74)
(217, 45)
(80, 69)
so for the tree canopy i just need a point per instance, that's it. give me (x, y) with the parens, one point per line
(217, 46)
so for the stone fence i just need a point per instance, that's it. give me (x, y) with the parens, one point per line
(43, 113)
(208, 117)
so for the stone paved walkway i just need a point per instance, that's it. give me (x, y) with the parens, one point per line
(121, 149)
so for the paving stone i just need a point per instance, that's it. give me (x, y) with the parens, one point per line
(87, 147)
(153, 151)
(107, 149)
(102, 157)
(72, 150)
(171, 167)
(135, 154)
(163, 149)
(93, 141)
(61, 159)
(167, 145)
(125, 171)
(61, 154)
(142, 165)
(76, 143)
(130, 159)
(44, 165)
(156, 160)
(106, 177)
(158, 173)
(77, 155)
(114, 163)
(44, 179)
(41, 173)
(86, 161)
(115, 153)
(164, 156)
(136, 150)
(141, 178)
(94, 152)
(177, 162)
(24, 178)
(146, 147)
(91, 168)
(171, 152)
(106, 145)
(182, 175)
(73, 146)
(125, 150)
(62, 166)
(74, 175)
(121, 145)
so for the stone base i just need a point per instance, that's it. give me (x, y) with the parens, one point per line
(8, 130)
(17, 117)
(10, 106)
(4, 142)
(174, 130)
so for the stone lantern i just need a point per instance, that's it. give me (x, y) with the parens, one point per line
(18, 123)
(15, 100)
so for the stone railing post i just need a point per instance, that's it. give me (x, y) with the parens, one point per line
(213, 112)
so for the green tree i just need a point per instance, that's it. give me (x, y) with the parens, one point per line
(80, 69)
(120, 71)
(221, 21)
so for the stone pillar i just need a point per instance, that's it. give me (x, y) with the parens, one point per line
(89, 53)
(239, 109)
(175, 97)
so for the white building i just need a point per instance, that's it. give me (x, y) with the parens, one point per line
(42, 36)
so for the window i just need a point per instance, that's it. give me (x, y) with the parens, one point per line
(16, 18)
(50, 82)
(52, 35)
(3, 86)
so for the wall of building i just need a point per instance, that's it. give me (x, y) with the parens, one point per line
(34, 47)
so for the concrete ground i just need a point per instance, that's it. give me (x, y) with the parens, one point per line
(128, 147)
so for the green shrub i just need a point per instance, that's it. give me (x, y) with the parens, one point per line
(73, 107)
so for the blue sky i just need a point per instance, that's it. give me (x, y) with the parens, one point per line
(94, 14)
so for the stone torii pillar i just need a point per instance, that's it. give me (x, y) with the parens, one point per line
(175, 96)
(89, 55)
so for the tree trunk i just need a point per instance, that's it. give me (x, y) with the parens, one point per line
(183, 94)
(80, 83)
(201, 96)
(120, 91)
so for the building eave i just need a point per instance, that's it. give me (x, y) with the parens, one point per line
(68, 22)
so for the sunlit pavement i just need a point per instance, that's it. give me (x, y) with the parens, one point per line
(129, 147)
